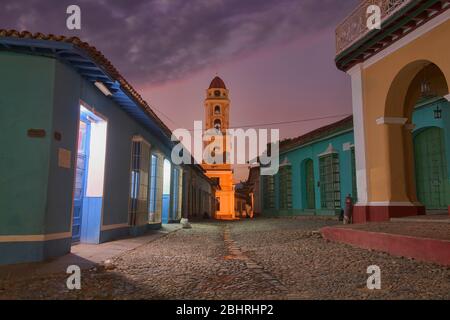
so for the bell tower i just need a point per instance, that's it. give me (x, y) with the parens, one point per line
(217, 116)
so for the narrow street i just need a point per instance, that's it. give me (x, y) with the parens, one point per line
(259, 259)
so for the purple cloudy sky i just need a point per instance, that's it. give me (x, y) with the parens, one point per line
(276, 56)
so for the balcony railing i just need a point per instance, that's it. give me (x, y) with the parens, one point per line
(354, 27)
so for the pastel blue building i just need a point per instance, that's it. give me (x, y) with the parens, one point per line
(84, 158)
(317, 170)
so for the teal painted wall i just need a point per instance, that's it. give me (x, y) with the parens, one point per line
(26, 102)
(423, 117)
(297, 157)
(36, 195)
(69, 90)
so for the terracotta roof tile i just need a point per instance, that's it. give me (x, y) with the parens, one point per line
(316, 134)
(98, 58)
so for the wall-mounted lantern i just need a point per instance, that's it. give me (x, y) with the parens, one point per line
(438, 113)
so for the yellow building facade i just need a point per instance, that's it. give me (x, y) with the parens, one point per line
(388, 68)
(217, 116)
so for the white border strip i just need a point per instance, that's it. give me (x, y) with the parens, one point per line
(391, 120)
(34, 238)
(114, 226)
(387, 204)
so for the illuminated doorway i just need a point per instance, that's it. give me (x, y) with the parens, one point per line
(167, 175)
(89, 178)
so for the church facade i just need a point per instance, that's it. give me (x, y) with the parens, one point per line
(217, 116)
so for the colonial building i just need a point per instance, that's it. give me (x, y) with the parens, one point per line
(253, 187)
(199, 193)
(217, 116)
(316, 173)
(318, 169)
(401, 167)
(84, 158)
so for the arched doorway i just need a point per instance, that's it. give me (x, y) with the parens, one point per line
(431, 168)
(416, 157)
(310, 192)
(384, 131)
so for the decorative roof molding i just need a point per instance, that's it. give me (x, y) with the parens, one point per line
(285, 163)
(355, 43)
(330, 150)
(391, 120)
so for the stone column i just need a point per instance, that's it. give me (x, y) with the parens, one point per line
(359, 133)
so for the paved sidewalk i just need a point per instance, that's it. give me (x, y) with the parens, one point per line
(86, 256)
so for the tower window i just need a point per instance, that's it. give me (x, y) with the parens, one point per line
(217, 110)
(217, 93)
(217, 124)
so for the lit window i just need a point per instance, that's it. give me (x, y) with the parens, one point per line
(140, 166)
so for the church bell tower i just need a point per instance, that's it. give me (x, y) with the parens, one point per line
(217, 116)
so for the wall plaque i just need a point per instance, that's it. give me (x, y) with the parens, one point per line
(64, 158)
(36, 133)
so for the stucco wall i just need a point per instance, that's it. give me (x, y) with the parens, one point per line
(386, 155)
(26, 102)
(121, 129)
(312, 151)
(36, 194)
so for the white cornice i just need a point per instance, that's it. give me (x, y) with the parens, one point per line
(391, 120)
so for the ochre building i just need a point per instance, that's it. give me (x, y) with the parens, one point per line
(391, 70)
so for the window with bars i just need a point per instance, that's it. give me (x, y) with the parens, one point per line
(285, 187)
(140, 165)
(269, 192)
(330, 188)
(175, 192)
(153, 181)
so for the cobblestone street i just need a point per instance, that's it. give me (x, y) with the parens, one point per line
(259, 259)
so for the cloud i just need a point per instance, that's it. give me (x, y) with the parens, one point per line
(155, 41)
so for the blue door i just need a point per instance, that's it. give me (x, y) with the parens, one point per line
(80, 178)
(165, 208)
